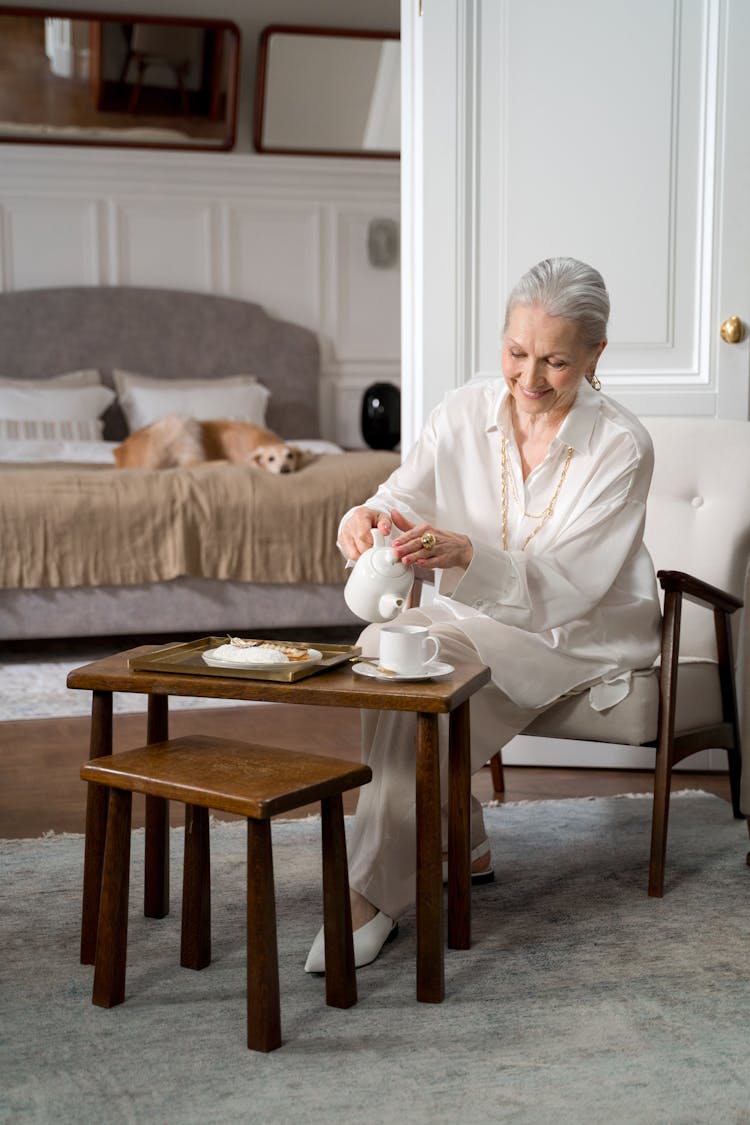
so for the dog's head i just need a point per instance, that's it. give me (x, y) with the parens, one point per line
(278, 458)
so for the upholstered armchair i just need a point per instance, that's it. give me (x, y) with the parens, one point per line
(698, 533)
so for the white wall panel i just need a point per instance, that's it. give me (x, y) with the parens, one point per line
(604, 155)
(49, 241)
(626, 129)
(345, 406)
(274, 258)
(368, 303)
(164, 243)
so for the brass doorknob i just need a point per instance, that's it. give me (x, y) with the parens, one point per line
(732, 330)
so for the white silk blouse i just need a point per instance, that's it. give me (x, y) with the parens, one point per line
(579, 605)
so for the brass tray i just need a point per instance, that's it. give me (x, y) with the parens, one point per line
(186, 658)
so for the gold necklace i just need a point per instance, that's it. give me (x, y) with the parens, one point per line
(545, 515)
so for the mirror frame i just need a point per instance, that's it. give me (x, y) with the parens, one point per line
(190, 144)
(261, 83)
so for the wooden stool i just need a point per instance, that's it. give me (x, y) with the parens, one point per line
(257, 782)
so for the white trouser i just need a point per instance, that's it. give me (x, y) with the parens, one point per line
(382, 846)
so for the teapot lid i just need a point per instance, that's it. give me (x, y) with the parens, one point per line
(386, 561)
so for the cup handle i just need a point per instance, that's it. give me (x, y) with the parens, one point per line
(432, 641)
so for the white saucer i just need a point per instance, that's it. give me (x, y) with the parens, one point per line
(432, 671)
(313, 657)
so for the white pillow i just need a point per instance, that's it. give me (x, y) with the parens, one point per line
(26, 430)
(123, 380)
(80, 404)
(69, 379)
(240, 398)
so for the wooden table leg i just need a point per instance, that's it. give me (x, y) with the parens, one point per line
(156, 876)
(195, 946)
(263, 1003)
(100, 745)
(112, 938)
(430, 964)
(459, 830)
(341, 981)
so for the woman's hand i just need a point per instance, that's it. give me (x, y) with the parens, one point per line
(356, 534)
(450, 549)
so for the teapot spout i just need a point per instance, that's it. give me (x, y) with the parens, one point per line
(389, 605)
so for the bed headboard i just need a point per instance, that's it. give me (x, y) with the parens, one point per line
(162, 332)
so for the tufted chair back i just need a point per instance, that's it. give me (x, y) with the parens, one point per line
(698, 518)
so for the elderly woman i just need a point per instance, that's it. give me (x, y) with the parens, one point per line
(527, 499)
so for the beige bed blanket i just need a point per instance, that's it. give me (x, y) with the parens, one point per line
(77, 525)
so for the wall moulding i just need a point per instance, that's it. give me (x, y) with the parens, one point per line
(183, 172)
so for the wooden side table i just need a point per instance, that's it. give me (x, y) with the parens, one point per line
(336, 687)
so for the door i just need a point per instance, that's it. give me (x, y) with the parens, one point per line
(612, 131)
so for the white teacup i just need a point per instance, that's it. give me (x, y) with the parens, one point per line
(407, 649)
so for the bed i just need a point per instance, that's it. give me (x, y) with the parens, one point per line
(92, 550)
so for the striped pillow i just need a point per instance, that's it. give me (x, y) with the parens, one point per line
(71, 429)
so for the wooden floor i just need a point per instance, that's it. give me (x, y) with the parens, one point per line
(40, 789)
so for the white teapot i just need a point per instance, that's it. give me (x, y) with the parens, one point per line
(379, 584)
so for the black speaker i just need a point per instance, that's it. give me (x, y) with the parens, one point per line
(381, 416)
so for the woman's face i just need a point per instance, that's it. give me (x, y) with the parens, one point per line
(544, 360)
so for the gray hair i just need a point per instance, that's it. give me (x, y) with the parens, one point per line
(569, 289)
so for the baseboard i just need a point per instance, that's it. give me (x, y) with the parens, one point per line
(525, 750)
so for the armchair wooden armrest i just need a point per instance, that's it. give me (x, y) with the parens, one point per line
(415, 594)
(695, 590)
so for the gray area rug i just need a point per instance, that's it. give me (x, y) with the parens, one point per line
(33, 675)
(581, 1001)
(34, 687)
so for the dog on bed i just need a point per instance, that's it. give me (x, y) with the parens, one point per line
(176, 441)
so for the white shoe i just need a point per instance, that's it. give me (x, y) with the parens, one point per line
(486, 875)
(368, 941)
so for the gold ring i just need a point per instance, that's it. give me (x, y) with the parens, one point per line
(428, 540)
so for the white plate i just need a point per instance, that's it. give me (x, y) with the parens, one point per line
(432, 670)
(313, 657)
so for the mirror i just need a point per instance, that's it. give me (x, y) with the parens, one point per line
(328, 92)
(72, 77)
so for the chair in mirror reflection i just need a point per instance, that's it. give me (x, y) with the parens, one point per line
(157, 47)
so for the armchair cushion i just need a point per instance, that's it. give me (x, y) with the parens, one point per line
(633, 721)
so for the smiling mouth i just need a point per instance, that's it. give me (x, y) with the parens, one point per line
(533, 393)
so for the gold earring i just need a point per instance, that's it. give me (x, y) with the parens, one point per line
(593, 378)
